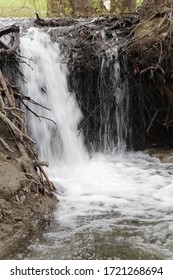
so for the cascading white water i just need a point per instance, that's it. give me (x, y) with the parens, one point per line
(46, 84)
(114, 118)
(111, 205)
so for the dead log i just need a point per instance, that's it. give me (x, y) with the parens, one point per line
(10, 29)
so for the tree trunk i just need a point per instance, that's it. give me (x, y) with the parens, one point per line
(51, 8)
(157, 2)
(83, 8)
(115, 6)
(98, 6)
(71, 7)
(150, 7)
(118, 6)
(128, 5)
(59, 8)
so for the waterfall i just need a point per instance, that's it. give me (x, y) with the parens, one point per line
(102, 92)
(111, 206)
(115, 112)
(45, 83)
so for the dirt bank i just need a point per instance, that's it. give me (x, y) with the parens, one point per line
(26, 197)
(24, 207)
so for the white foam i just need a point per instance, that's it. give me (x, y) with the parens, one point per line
(107, 191)
(46, 83)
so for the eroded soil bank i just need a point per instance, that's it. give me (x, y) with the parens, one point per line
(26, 194)
(24, 208)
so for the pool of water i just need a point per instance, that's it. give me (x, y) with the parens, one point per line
(110, 207)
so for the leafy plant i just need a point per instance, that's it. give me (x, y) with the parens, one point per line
(22, 8)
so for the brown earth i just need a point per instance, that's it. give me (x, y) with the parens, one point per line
(25, 208)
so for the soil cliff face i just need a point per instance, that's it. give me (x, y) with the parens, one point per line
(26, 197)
(24, 208)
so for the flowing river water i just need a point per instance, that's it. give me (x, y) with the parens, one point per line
(112, 205)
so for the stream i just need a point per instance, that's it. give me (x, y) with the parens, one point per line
(110, 207)
(113, 204)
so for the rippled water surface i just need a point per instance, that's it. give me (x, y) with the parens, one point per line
(110, 207)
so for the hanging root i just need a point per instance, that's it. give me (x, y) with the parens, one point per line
(12, 118)
(44, 175)
(150, 47)
(5, 145)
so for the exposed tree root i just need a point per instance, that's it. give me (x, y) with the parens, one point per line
(146, 56)
(42, 172)
(150, 53)
(5, 145)
(12, 116)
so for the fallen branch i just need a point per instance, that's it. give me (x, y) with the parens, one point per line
(50, 184)
(38, 116)
(24, 97)
(10, 29)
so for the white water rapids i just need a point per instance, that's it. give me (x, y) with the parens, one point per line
(111, 206)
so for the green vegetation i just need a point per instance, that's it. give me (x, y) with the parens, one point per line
(22, 8)
(27, 8)
(139, 2)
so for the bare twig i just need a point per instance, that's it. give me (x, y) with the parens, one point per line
(38, 116)
(100, 104)
(52, 188)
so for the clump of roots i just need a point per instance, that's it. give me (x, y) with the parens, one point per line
(150, 50)
(13, 107)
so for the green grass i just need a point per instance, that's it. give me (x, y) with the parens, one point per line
(26, 8)
(22, 8)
